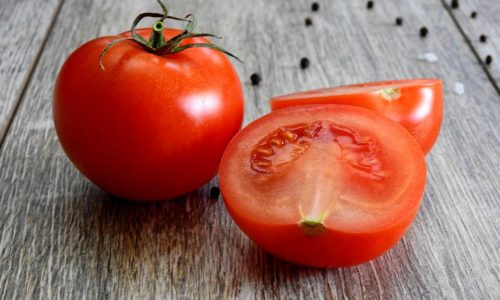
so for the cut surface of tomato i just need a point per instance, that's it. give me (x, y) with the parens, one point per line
(323, 185)
(416, 104)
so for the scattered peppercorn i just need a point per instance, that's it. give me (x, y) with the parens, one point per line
(423, 31)
(369, 4)
(315, 6)
(399, 21)
(304, 62)
(255, 78)
(473, 15)
(309, 21)
(454, 4)
(214, 192)
(488, 59)
(483, 38)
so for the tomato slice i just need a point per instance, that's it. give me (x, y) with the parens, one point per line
(416, 104)
(323, 185)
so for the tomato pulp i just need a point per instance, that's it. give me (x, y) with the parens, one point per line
(148, 127)
(323, 185)
(416, 104)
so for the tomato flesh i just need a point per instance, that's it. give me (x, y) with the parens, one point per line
(416, 104)
(323, 185)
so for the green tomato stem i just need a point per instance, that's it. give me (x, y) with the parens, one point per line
(157, 40)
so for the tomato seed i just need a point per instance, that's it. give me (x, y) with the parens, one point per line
(483, 38)
(277, 142)
(315, 6)
(262, 163)
(423, 31)
(265, 151)
(473, 15)
(369, 5)
(255, 78)
(289, 135)
(214, 192)
(488, 59)
(399, 21)
(308, 21)
(304, 62)
(454, 4)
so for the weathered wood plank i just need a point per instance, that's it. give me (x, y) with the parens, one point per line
(60, 237)
(25, 26)
(485, 22)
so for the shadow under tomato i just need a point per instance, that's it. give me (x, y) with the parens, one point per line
(135, 239)
(385, 274)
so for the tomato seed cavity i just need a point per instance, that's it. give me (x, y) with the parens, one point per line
(289, 143)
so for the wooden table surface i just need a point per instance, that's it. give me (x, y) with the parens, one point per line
(62, 238)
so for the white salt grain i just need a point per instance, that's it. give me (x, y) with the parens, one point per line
(430, 57)
(459, 88)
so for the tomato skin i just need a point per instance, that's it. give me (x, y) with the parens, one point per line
(331, 249)
(419, 108)
(148, 127)
(339, 245)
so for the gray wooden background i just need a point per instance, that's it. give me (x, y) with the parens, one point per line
(62, 238)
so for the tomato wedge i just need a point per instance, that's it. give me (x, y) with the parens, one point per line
(323, 185)
(416, 104)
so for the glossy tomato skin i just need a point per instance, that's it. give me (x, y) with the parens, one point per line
(418, 105)
(147, 127)
(256, 200)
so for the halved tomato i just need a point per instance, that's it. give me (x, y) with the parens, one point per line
(323, 185)
(416, 104)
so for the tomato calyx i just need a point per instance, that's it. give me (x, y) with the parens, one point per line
(390, 94)
(312, 227)
(157, 43)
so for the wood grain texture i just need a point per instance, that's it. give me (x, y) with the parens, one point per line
(25, 26)
(61, 238)
(485, 23)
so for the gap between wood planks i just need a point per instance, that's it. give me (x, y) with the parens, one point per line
(469, 43)
(11, 115)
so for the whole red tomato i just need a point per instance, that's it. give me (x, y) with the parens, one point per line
(148, 126)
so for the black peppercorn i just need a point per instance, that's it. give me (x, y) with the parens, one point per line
(304, 62)
(488, 59)
(399, 21)
(369, 4)
(423, 31)
(454, 4)
(214, 192)
(308, 21)
(473, 15)
(483, 38)
(255, 78)
(315, 6)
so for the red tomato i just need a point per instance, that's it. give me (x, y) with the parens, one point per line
(416, 104)
(148, 127)
(323, 185)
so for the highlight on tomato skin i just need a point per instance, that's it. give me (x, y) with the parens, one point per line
(323, 185)
(416, 104)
